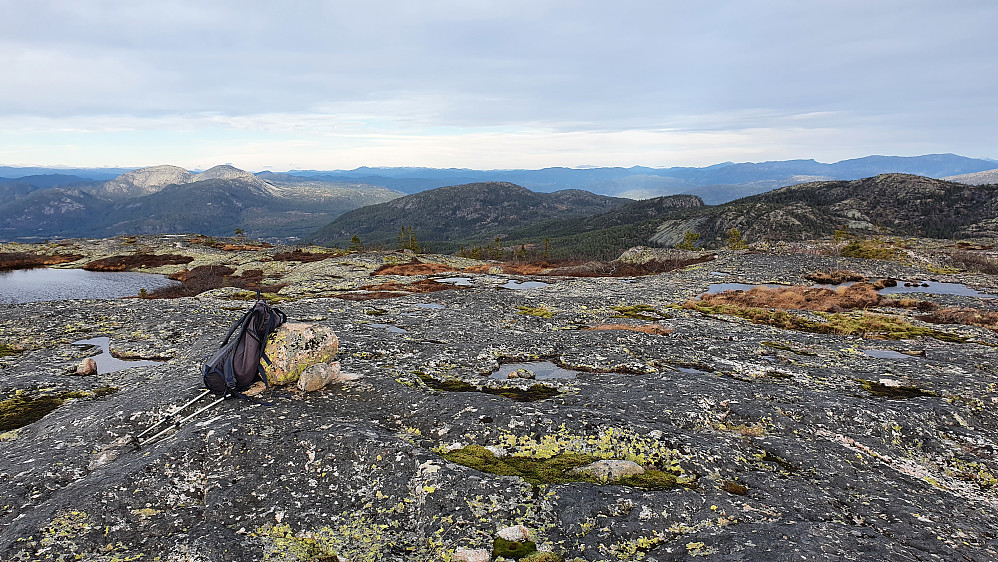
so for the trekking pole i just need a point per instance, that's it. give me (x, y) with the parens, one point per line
(179, 423)
(171, 415)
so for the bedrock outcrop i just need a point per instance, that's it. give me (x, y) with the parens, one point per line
(777, 444)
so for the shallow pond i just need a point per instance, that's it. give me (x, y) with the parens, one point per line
(937, 288)
(107, 363)
(390, 328)
(541, 369)
(45, 284)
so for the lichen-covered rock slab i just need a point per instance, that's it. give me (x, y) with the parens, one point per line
(297, 346)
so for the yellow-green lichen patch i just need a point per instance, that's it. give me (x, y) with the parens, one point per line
(896, 392)
(6, 350)
(562, 448)
(284, 545)
(538, 311)
(639, 312)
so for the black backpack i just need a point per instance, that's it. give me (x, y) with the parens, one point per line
(236, 364)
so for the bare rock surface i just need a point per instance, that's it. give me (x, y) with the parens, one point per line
(829, 465)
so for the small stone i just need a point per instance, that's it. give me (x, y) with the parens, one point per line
(469, 555)
(890, 382)
(521, 374)
(611, 470)
(516, 533)
(87, 367)
(321, 375)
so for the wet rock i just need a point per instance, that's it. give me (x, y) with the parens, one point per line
(87, 367)
(611, 470)
(471, 555)
(295, 347)
(108, 453)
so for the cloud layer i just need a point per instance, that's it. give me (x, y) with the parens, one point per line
(493, 84)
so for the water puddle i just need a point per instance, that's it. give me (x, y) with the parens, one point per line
(107, 363)
(936, 288)
(429, 306)
(886, 354)
(459, 281)
(541, 369)
(517, 285)
(45, 284)
(390, 328)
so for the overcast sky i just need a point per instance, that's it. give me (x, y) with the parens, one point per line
(493, 84)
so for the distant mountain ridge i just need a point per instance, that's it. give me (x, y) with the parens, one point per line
(715, 184)
(167, 199)
(447, 216)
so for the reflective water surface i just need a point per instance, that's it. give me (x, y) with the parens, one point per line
(45, 284)
(107, 363)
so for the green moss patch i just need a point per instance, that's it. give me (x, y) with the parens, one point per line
(553, 470)
(23, 409)
(512, 549)
(531, 394)
(639, 312)
(449, 385)
(557, 469)
(876, 326)
(894, 392)
(7, 351)
(538, 311)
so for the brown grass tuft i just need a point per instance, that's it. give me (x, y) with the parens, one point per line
(860, 295)
(413, 268)
(25, 260)
(302, 256)
(835, 277)
(135, 261)
(207, 277)
(965, 316)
